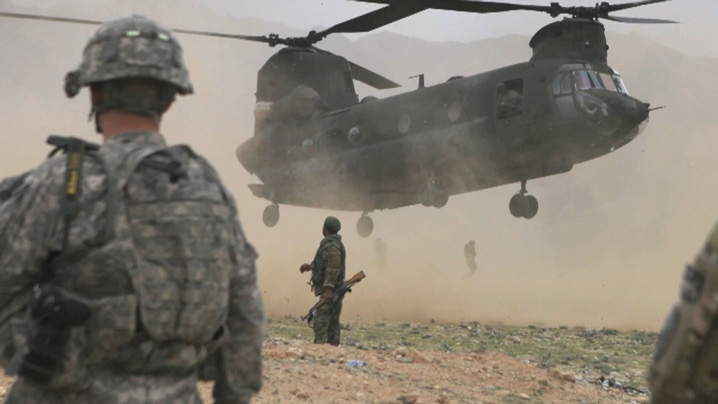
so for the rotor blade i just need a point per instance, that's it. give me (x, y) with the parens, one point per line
(370, 78)
(633, 20)
(45, 18)
(618, 7)
(262, 38)
(373, 20)
(474, 6)
(365, 75)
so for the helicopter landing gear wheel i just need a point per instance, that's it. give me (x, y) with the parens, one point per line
(440, 198)
(365, 226)
(532, 207)
(517, 205)
(270, 216)
(522, 204)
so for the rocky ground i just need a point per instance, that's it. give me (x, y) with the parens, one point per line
(452, 363)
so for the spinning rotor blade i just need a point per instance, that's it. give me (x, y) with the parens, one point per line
(365, 75)
(473, 6)
(45, 18)
(626, 6)
(370, 78)
(634, 20)
(601, 10)
(374, 19)
(264, 39)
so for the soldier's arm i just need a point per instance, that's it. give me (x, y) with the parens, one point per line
(28, 220)
(333, 263)
(10, 184)
(240, 367)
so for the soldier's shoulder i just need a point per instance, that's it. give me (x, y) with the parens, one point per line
(712, 240)
(51, 171)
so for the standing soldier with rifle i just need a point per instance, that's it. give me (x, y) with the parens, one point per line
(124, 273)
(328, 273)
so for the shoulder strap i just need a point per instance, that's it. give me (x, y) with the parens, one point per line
(70, 205)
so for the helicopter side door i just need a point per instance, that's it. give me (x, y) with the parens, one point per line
(509, 113)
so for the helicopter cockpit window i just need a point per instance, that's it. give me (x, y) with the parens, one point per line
(562, 84)
(582, 80)
(619, 84)
(509, 98)
(566, 84)
(608, 82)
(595, 81)
(563, 92)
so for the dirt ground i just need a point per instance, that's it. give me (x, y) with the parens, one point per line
(451, 363)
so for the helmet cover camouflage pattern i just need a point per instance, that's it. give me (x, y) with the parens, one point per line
(332, 224)
(131, 47)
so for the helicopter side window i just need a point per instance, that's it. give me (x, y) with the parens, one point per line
(582, 80)
(509, 98)
(608, 82)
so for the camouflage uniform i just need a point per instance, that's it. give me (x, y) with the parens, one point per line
(163, 262)
(685, 364)
(328, 270)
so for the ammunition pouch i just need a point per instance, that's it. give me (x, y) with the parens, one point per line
(55, 312)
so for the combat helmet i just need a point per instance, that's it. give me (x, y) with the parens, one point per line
(132, 47)
(332, 224)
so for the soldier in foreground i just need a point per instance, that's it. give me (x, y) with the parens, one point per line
(685, 363)
(124, 273)
(328, 275)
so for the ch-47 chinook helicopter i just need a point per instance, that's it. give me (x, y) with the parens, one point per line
(316, 144)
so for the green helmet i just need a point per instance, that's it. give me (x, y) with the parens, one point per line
(332, 224)
(133, 47)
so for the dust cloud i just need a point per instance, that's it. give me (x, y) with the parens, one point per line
(606, 249)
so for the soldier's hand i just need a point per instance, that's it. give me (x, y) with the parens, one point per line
(328, 294)
(305, 268)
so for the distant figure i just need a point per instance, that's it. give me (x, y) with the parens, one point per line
(684, 370)
(381, 252)
(328, 275)
(470, 255)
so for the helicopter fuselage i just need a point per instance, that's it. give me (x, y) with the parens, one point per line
(512, 124)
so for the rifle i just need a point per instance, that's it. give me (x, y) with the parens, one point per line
(338, 295)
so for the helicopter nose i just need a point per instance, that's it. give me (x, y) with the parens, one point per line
(636, 111)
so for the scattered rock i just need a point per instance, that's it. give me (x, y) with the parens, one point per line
(404, 359)
(516, 340)
(408, 399)
(402, 351)
(524, 396)
(567, 377)
(416, 356)
(303, 395)
(443, 399)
